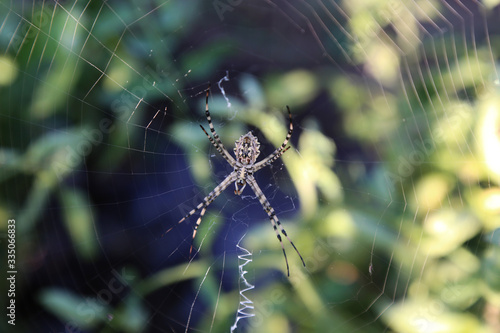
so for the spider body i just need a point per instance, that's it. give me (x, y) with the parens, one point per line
(246, 151)
(243, 174)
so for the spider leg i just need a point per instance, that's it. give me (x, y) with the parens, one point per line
(217, 142)
(198, 222)
(275, 157)
(274, 219)
(219, 149)
(204, 204)
(279, 151)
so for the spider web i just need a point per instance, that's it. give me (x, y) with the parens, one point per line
(390, 191)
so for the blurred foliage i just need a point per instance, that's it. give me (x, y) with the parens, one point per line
(396, 169)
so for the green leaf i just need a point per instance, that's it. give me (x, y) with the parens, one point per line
(73, 310)
(79, 221)
(131, 317)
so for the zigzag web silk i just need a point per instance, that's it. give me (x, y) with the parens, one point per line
(245, 308)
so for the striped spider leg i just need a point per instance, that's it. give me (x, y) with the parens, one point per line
(246, 152)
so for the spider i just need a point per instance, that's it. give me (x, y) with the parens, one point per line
(246, 152)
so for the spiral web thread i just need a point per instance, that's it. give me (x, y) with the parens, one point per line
(246, 305)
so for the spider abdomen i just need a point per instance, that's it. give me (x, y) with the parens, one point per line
(247, 149)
